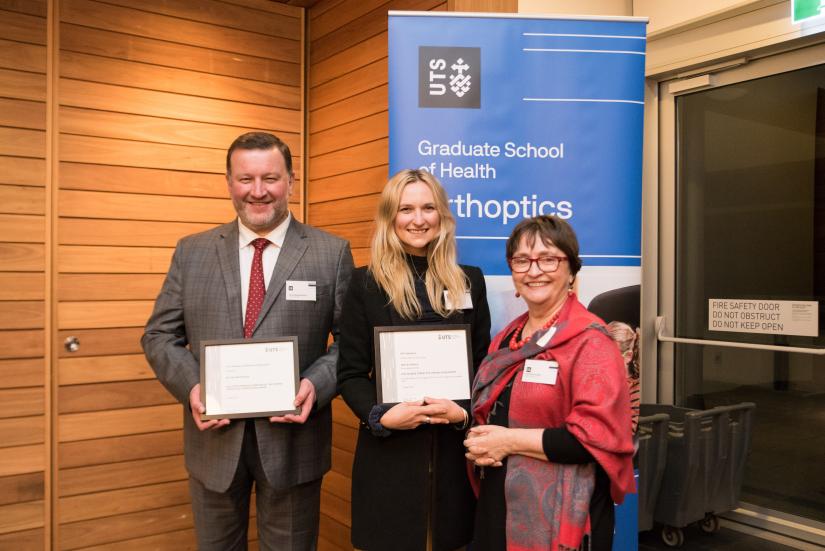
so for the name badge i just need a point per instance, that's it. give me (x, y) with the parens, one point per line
(466, 302)
(300, 290)
(543, 372)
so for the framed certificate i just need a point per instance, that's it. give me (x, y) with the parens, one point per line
(415, 361)
(249, 377)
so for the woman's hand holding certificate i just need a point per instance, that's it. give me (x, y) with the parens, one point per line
(409, 415)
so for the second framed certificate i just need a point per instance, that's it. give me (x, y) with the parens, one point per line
(415, 361)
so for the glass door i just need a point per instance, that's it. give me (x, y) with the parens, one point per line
(745, 202)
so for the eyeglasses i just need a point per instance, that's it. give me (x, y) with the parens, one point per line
(547, 264)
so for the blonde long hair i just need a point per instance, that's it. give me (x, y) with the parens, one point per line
(389, 267)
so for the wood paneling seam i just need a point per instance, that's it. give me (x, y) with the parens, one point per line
(51, 525)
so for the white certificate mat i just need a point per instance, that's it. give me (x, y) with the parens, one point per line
(249, 378)
(412, 362)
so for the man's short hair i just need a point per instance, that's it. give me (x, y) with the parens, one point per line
(259, 140)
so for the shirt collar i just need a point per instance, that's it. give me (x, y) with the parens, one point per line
(276, 236)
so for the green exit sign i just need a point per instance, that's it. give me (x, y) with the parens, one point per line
(802, 10)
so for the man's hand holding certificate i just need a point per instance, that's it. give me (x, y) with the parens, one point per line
(419, 361)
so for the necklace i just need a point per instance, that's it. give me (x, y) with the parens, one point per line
(516, 344)
(417, 274)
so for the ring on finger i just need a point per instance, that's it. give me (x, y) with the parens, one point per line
(427, 419)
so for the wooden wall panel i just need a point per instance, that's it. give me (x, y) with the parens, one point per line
(80, 66)
(22, 200)
(350, 134)
(22, 431)
(360, 55)
(22, 459)
(88, 13)
(22, 113)
(83, 534)
(21, 27)
(123, 99)
(28, 540)
(352, 184)
(109, 286)
(140, 128)
(141, 180)
(22, 57)
(127, 500)
(118, 260)
(103, 342)
(151, 93)
(121, 448)
(100, 369)
(20, 373)
(120, 395)
(24, 487)
(222, 14)
(351, 109)
(20, 142)
(21, 516)
(159, 52)
(23, 391)
(127, 206)
(76, 231)
(178, 540)
(20, 171)
(127, 474)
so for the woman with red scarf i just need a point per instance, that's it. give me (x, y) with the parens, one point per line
(551, 444)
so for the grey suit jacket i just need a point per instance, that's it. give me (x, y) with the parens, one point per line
(201, 300)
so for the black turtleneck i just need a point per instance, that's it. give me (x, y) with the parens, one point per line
(418, 266)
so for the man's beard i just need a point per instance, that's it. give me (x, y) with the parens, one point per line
(263, 221)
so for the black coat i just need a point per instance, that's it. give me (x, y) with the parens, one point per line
(393, 491)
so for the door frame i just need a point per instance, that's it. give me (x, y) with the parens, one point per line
(661, 258)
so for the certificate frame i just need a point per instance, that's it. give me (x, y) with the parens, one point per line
(293, 377)
(381, 365)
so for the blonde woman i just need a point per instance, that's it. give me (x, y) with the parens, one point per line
(409, 484)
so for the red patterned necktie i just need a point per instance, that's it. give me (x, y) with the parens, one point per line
(257, 289)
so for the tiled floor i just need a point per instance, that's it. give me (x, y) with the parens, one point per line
(724, 540)
(784, 469)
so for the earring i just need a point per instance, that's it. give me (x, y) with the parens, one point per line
(518, 295)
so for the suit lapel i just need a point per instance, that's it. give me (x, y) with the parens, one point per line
(227, 248)
(295, 245)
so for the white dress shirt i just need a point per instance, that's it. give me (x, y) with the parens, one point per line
(270, 255)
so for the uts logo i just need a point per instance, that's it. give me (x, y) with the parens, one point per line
(449, 77)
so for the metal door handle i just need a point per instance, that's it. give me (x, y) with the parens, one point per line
(661, 325)
(71, 344)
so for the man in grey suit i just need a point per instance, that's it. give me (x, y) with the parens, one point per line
(216, 288)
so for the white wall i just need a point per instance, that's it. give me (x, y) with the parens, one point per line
(666, 13)
(577, 7)
(662, 13)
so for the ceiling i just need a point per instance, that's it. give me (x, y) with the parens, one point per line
(299, 3)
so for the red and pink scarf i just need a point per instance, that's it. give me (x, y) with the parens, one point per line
(548, 503)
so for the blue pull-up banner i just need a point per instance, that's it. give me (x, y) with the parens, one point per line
(524, 115)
